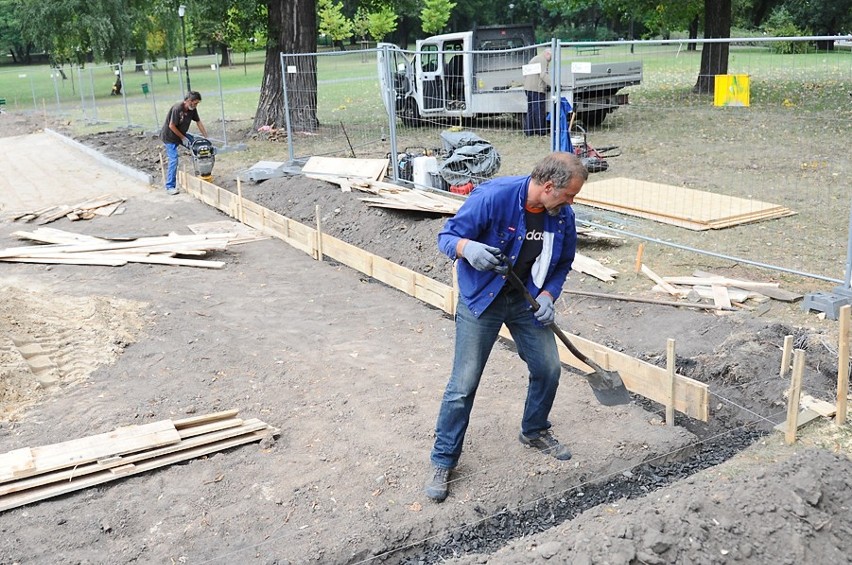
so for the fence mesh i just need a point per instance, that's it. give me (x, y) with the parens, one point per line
(670, 153)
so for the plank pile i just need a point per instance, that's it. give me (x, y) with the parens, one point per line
(693, 209)
(31, 474)
(76, 249)
(241, 232)
(723, 291)
(104, 205)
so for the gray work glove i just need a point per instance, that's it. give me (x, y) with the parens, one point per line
(483, 257)
(186, 142)
(545, 314)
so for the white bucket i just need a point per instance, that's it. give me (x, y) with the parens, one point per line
(422, 167)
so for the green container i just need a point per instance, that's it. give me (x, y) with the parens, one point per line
(145, 88)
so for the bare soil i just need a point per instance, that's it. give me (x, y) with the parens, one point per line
(352, 372)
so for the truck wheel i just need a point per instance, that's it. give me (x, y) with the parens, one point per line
(410, 115)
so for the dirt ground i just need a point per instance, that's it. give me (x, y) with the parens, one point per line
(351, 372)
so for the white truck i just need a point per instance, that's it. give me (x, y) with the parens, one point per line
(479, 73)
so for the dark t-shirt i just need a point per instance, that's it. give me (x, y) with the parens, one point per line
(531, 248)
(182, 118)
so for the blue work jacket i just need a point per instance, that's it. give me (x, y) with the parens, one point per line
(494, 214)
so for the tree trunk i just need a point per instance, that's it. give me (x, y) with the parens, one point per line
(226, 55)
(291, 29)
(693, 34)
(714, 56)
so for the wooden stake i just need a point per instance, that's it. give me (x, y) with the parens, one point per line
(793, 397)
(637, 267)
(241, 216)
(319, 235)
(843, 365)
(786, 353)
(670, 372)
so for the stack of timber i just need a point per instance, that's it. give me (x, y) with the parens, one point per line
(723, 291)
(104, 205)
(77, 249)
(388, 195)
(241, 232)
(693, 209)
(31, 474)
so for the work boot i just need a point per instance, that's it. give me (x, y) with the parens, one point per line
(546, 443)
(437, 488)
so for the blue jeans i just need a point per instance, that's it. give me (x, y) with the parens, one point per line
(475, 338)
(172, 154)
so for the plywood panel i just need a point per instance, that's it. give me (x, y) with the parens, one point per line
(685, 207)
(373, 169)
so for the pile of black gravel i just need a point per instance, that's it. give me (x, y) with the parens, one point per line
(494, 532)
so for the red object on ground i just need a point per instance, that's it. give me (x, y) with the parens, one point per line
(466, 188)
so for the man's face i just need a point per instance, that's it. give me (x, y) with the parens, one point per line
(554, 200)
(192, 104)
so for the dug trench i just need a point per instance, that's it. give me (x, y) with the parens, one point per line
(738, 355)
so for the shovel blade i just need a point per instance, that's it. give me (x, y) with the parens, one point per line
(612, 396)
(608, 387)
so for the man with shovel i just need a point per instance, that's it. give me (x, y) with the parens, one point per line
(527, 223)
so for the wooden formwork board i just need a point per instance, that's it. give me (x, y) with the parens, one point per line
(675, 205)
(691, 397)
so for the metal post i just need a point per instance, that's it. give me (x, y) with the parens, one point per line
(82, 100)
(150, 74)
(120, 74)
(222, 103)
(94, 103)
(391, 110)
(290, 151)
(556, 90)
(180, 76)
(54, 75)
(182, 13)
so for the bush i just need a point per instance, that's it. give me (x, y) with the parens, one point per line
(781, 24)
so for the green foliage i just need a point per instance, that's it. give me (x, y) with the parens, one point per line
(361, 23)
(435, 15)
(71, 29)
(332, 21)
(381, 23)
(781, 24)
(824, 17)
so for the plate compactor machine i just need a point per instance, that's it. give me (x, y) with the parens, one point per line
(203, 157)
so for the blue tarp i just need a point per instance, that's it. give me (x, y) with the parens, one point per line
(564, 110)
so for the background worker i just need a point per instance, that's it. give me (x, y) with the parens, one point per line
(529, 222)
(174, 133)
(536, 85)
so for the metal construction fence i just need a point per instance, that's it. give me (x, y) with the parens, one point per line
(777, 142)
(130, 95)
(756, 171)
